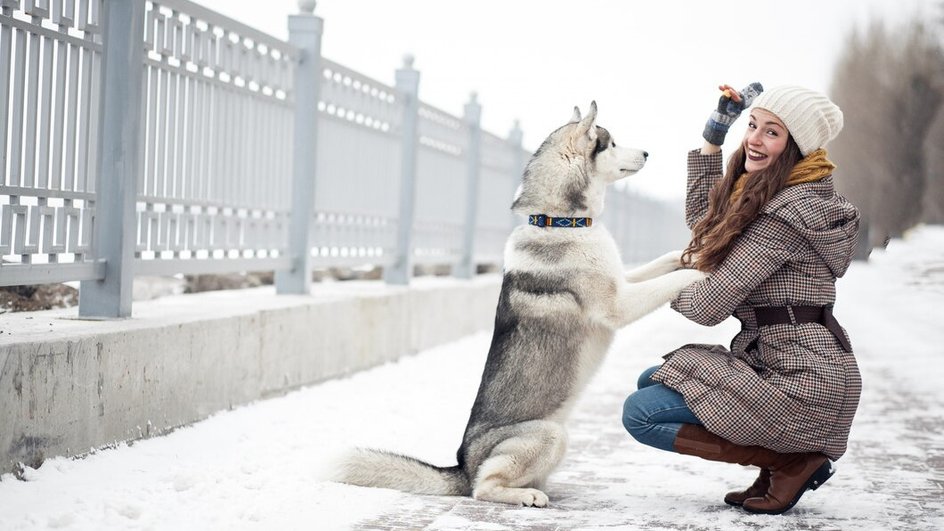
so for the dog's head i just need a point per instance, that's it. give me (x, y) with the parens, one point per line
(568, 174)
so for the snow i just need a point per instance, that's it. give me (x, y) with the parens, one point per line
(259, 466)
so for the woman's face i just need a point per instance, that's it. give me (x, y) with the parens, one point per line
(765, 139)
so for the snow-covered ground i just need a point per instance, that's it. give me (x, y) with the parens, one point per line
(257, 467)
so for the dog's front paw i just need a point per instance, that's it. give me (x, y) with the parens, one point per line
(671, 260)
(690, 276)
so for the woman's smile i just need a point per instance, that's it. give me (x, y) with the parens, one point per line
(755, 155)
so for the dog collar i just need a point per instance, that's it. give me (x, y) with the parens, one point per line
(543, 220)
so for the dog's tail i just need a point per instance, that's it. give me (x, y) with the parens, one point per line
(376, 468)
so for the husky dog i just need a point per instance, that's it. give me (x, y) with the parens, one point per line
(563, 296)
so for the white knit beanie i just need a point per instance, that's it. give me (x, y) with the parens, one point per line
(810, 117)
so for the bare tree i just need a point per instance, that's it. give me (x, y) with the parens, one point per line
(859, 89)
(933, 207)
(890, 87)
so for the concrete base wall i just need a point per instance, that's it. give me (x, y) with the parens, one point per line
(68, 386)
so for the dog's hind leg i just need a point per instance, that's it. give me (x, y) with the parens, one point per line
(527, 454)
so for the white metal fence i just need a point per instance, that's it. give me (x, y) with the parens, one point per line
(197, 144)
(50, 78)
(213, 185)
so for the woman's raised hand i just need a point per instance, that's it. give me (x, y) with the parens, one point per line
(730, 105)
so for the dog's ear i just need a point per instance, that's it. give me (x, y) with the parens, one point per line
(523, 203)
(588, 125)
(574, 118)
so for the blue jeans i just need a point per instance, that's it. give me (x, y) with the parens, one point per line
(654, 413)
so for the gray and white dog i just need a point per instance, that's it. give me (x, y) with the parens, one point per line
(563, 296)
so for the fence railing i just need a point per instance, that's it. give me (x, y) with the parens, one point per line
(214, 180)
(162, 138)
(50, 85)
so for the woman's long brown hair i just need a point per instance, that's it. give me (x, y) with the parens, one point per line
(714, 235)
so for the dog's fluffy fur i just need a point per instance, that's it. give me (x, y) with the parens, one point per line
(563, 296)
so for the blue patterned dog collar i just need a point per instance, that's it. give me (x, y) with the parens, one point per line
(542, 220)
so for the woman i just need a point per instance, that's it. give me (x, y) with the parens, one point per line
(774, 236)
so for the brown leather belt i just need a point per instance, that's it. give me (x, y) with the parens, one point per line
(823, 315)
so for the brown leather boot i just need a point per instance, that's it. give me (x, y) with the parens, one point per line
(757, 490)
(789, 480)
(790, 474)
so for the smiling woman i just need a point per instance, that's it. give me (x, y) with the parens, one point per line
(774, 235)
(765, 140)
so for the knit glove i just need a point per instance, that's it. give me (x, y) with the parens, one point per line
(729, 108)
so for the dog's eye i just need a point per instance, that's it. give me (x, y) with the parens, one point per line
(612, 144)
(600, 147)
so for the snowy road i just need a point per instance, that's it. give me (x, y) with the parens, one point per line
(257, 467)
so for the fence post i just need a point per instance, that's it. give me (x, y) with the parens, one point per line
(304, 32)
(114, 239)
(407, 85)
(515, 137)
(473, 118)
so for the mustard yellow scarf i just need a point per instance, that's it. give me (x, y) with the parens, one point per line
(813, 167)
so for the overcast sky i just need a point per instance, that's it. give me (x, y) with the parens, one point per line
(652, 66)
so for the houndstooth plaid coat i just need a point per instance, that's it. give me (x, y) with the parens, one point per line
(796, 389)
